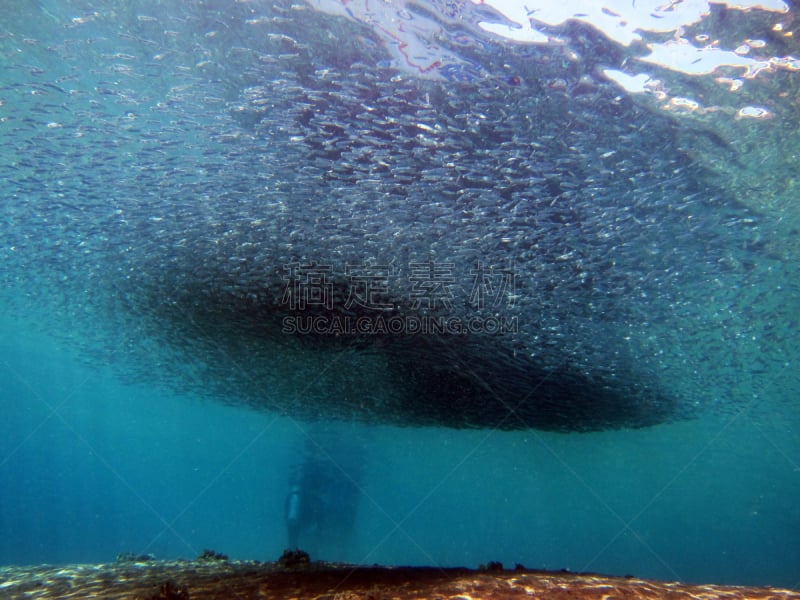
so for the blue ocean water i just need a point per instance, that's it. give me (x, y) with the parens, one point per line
(92, 469)
(152, 151)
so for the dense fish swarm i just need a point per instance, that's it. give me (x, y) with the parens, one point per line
(171, 182)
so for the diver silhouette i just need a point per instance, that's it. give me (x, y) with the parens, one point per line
(322, 501)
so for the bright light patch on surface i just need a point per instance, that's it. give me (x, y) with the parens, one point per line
(413, 38)
(733, 84)
(680, 55)
(525, 35)
(619, 20)
(684, 103)
(635, 84)
(753, 112)
(625, 22)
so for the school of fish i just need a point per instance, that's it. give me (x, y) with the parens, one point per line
(250, 202)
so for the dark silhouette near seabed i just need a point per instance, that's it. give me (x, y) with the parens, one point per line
(324, 491)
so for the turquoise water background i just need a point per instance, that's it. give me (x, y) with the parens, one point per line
(125, 129)
(91, 469)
